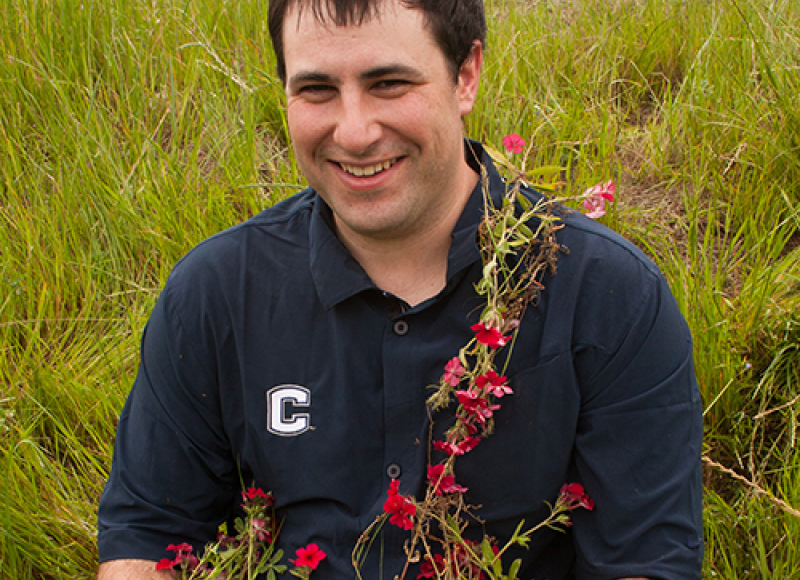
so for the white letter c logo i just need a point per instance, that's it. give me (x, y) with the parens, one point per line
(279, 420)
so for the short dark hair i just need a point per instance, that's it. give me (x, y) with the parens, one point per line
(454, 24)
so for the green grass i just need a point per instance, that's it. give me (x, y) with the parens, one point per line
(130, 131)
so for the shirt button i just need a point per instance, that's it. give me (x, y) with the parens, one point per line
(394, 471)
(400, 327)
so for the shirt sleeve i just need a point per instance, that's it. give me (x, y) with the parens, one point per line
(639, 436)
(172, 479)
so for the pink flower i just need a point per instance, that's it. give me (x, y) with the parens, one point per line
(573, 496)
(310, 556)
(513, 143)
(400, 508)
(453, 371)
(596, 197)
(490, 337)
(493, 384)
(451, 448)
(443, 483)
(261, 530)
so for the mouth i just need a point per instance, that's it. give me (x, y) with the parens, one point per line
(368, 170)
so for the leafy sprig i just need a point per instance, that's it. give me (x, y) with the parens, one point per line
(518, 248)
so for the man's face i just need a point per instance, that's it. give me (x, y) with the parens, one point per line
(375, 119)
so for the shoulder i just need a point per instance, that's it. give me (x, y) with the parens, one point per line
(606, 291)
(271, 238)
(605, 269)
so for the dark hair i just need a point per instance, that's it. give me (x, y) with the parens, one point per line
(455, 24)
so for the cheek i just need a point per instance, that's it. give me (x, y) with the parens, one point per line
(304, 129)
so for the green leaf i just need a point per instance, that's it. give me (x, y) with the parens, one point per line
(548, 187)
(526, 231)
(453, 525)
(239, 525)
(486, 548)
(498, 157)
(524, 202)
(545, 170)
(514, 570)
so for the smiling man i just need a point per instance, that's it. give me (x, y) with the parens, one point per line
(293, 351)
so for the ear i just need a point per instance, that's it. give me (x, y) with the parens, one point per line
(469, 77)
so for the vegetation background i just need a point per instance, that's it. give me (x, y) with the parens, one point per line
(132, 129)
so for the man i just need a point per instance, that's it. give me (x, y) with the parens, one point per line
(293, 351)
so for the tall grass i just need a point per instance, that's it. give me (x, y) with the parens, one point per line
(130, 131)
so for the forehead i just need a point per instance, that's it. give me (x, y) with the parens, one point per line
(311, 37)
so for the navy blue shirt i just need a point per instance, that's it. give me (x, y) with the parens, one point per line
(271, 358)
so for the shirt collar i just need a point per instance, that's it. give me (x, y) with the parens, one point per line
(338, 276)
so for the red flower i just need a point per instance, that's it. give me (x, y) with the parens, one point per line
(184, 547)
(493, 384)
(476, 406)
(430, 569)
(183, 557)
(465, 446)
(254, 493)
(490, 337)
(463, 562)
(468, 444)
(443, 483)
(310, 556)
(447, 447)
(167, 564)
(453, 371)
(513, 143)
(574, 496)
(400, 508)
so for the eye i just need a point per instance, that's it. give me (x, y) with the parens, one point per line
(392, 87)
(316, 92)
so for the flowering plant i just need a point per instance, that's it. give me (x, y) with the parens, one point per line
(518, 247)
(250, 552)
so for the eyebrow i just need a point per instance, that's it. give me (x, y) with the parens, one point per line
(368, 75)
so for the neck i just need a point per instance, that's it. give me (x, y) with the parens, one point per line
(413, 271)
(411, 267)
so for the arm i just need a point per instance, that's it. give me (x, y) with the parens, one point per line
(132, 570)
(639, 435)
(173, 478)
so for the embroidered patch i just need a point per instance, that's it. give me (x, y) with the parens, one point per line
(282, 415)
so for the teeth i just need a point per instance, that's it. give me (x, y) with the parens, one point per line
(368, 170)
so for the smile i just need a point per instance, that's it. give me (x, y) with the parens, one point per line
(369, 170)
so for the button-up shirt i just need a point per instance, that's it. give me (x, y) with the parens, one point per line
(272, 359)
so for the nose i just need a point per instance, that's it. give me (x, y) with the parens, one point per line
(357, 128)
